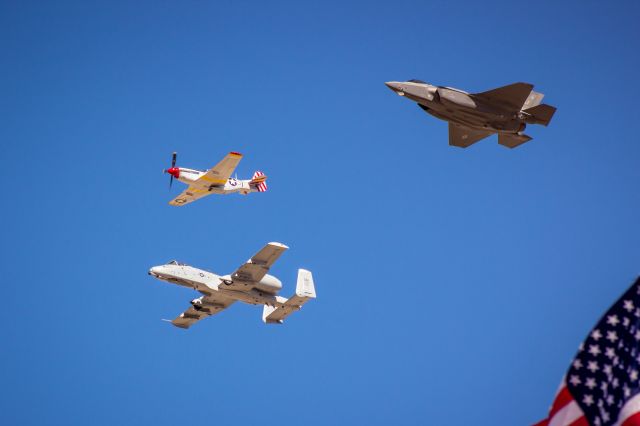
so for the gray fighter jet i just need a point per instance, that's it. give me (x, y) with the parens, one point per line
(506, 110)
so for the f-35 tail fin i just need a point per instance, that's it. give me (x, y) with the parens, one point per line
(540, 114)
(534, 99)
(305, 291)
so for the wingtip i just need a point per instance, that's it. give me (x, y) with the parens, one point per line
(235, 153)
(276, 244)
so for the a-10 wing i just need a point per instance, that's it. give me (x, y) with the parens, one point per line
(203, 307)
(258, 266)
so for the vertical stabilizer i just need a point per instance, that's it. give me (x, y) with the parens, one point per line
(259, 181)
(534, 99)
(305, 291)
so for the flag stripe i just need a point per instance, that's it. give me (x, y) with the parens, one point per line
(568, 415)
(582, 421)
(634, 420)
(563, 398)
(629, 411)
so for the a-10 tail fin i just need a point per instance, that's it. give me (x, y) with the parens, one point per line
(305, 291)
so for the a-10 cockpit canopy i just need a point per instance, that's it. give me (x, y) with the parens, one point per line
(175, 262)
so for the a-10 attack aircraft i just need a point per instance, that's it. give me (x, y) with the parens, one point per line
(250, 284)
(474, 116)
(217, 180)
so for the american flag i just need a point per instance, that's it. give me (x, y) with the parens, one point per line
(262, 186)
(602, 386)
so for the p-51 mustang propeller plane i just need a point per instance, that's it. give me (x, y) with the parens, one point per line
(250, 284)
(216, 180)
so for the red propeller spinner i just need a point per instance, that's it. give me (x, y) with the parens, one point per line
(173, 171)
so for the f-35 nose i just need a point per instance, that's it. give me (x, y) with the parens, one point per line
(395, 86)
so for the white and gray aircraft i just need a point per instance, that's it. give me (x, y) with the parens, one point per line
(216, 180)
(249, 284)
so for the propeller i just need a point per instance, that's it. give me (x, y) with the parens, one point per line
(172, 170)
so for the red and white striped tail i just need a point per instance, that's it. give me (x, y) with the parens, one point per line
(260, 181)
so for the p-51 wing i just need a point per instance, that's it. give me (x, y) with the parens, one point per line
(258, 266)
(189, 195)
(202, 307)
(221, 172)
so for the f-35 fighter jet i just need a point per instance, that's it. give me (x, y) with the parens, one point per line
(473, 116)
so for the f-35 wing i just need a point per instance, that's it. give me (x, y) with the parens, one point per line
(189, 195)
(512, 96)
(220, 173)
(258, 266)
(202, 307)
(463, 137)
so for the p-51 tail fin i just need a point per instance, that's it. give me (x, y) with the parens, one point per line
(305, 291)
(259, 180)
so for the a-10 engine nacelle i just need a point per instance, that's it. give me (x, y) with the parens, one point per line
(269, 284)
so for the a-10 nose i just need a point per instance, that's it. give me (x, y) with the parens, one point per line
(155, 271)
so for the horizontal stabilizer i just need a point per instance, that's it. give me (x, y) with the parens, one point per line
(259, 181)
(512, 140)
(463, 137)
(540, 114)
(512, 96)
(305, 291)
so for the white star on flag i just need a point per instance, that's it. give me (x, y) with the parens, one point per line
(588, 400)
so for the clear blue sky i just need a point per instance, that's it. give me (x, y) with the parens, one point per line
(454, 286)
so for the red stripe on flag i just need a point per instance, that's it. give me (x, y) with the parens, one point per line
(562, 399)
(632, 421)
(544, 422)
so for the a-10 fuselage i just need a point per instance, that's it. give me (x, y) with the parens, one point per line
(462, 108)
(230, 186)
(261, 293)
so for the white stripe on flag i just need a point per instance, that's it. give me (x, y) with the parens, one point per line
(567, 415)
(629, 409)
